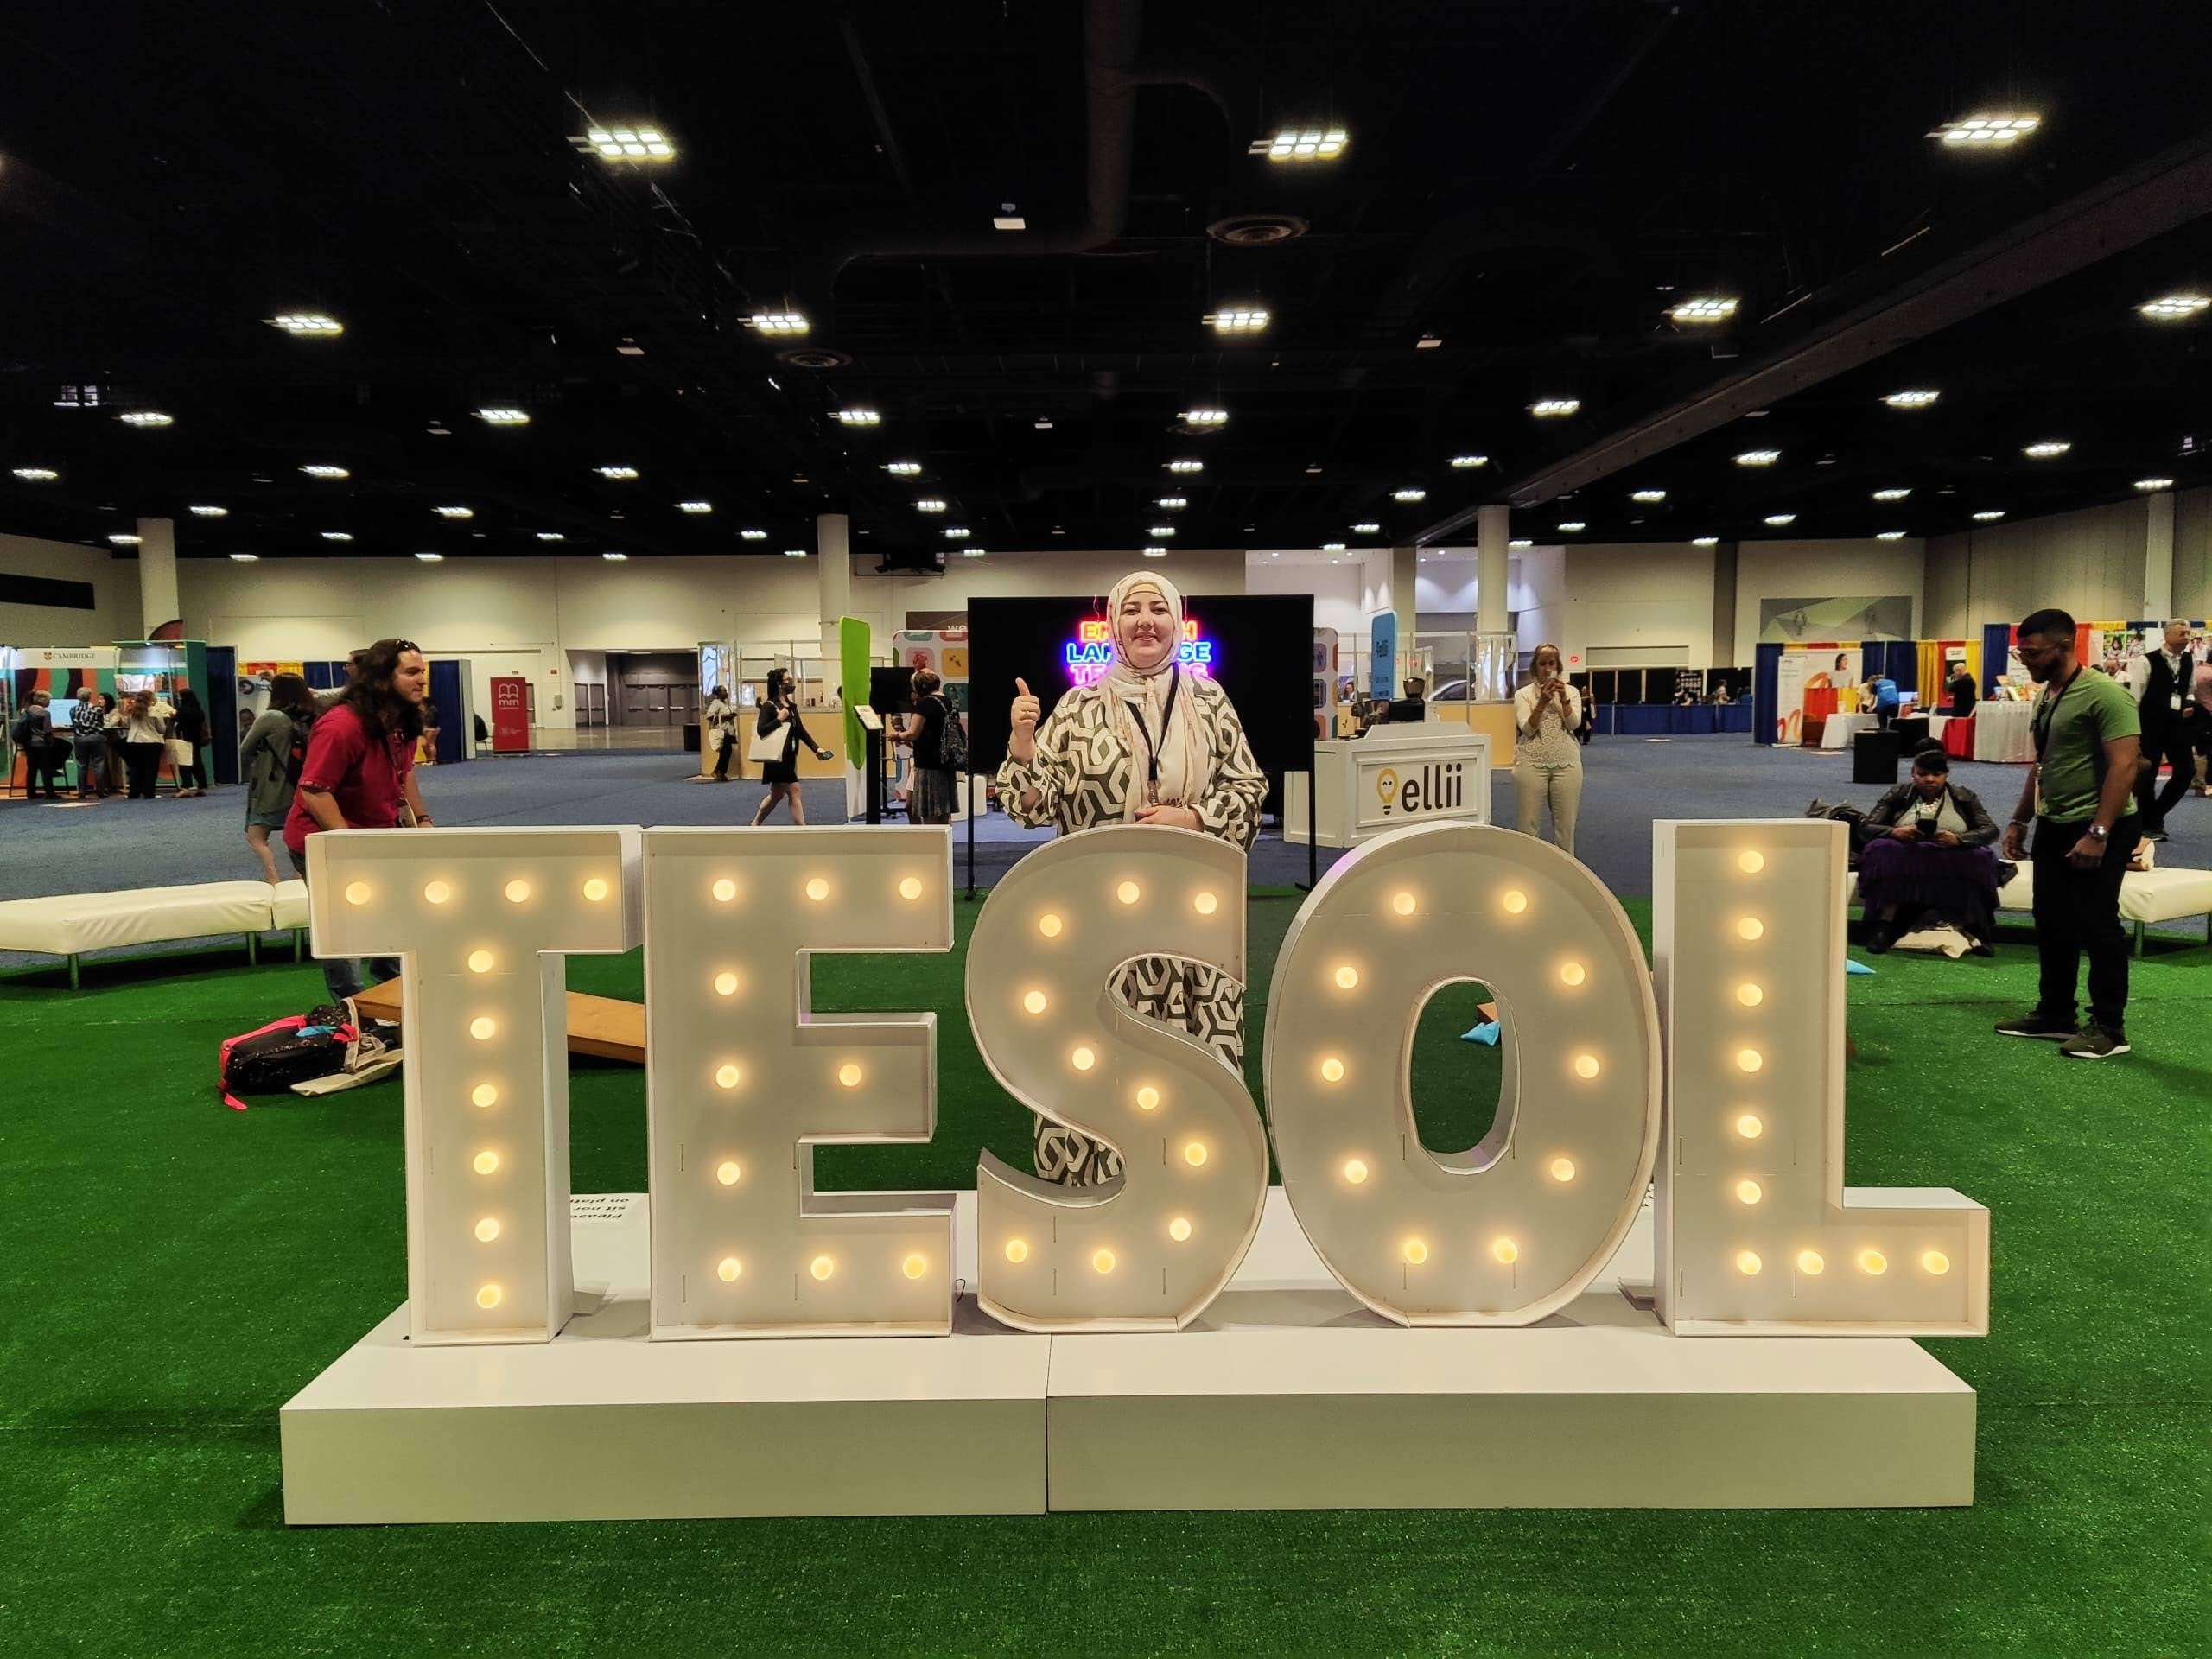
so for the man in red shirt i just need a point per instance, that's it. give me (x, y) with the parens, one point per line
(358, 772)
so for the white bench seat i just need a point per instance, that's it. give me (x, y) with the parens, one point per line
(69, 924)
(2147, 897)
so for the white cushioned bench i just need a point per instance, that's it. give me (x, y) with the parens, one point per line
(2145, 896)
(69, 924)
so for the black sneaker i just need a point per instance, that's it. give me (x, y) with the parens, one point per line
(2035, 1024)
(2095, 1043)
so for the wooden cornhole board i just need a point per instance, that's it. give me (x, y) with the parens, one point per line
(602, 1026)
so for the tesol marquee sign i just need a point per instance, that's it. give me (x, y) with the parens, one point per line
(1716, 1072)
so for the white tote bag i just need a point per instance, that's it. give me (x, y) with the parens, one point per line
(774, 744)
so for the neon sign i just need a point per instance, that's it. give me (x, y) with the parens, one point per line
(1090, 653)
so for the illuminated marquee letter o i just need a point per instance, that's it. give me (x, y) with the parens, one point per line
(1513, 1228)
(1150, 1252)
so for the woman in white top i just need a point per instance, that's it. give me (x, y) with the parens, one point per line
(144, 723)
(1546, 760)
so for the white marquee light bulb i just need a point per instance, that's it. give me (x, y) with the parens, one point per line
(1764, 1175)
(729, 1268)
(1356, 1170)
(357, 893)
(811, 1268)
(461, 935)
(1462, 931)
(1200, 1156)
(1562, 1170)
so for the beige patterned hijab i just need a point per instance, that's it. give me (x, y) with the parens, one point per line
(1137, 705)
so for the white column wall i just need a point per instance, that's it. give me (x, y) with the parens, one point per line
(157, 601)
(1492, 528)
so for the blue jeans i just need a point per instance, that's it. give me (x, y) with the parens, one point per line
(348, 976)
(91, 766)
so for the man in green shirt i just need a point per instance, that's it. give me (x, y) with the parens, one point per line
(2080, 796)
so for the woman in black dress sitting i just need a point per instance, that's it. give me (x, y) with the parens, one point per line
(779, 708)
(1930, 851)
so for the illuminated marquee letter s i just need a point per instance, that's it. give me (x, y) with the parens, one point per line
(1149, 1252)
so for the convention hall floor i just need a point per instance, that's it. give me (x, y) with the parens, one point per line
(177, 1271)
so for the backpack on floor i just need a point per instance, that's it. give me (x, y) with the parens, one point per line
(285, 1051)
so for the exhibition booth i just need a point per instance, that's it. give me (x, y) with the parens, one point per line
(1438, 772)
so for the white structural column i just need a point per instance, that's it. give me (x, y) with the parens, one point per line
(1405, 576)
(833, 557)
(2159, 557)
(157, 601)
(1492, 529)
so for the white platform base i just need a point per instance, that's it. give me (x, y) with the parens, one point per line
(1289, 1394)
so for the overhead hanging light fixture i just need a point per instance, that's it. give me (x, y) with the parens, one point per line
(1991, 132)
(1302, 145)
(1918, 398)
(2174, 308)
(1248, 320)
(1553, 409)
(306, 325)
(635, 144)
(779, 322)
(1715, 309)
(858, 418)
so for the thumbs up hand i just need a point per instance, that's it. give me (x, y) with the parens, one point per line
(1022, 743)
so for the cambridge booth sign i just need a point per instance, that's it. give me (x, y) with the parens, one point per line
(1717, 1070)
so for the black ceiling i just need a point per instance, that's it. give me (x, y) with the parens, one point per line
(1532, 183)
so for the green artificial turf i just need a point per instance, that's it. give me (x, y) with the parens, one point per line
(174, 1271)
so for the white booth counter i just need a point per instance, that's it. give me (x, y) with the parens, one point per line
(1431, 773)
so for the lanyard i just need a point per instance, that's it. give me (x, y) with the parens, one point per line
(1166, 714)
(2049, 713)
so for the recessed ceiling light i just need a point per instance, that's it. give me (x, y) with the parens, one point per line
(1160, 530)
(614, 557)
(1186, 466)
(2154, 483)
(928, 503)
(503, 414)
(1463, 463)
(779, 322)
(246, 558)
(1520, 542)
(306, 324)
(618, 472)
(1705, 541)
(955, 532)
(1248, 321)
(318, 470)
(1891, 495)
(1918, 398)
(1302, 145)
(431, 558)
(1553, 408)
(1156, 552)
(209, 512)
(695, 506)
(1367, 529)
(146, 417)
(1778, 520)
(903, 468)
(337, 535)
(438, 431)
(634, 144)
(972, 552)
(455, 513)
(2048, 449)
(1758, 457)
(1313, 467)
(1990, 517)
(1409, 494)
(1714, 308)
(2174, 308)
(37, 474)
(858, 418)
(1573, 525)
(1333, 547)
(794, 552)
(1172, 502)
(1008, 218)
(1993, 132)
(1043, 422)
(754, 535)
(1889, 534)
(123, 538)
(1646, 495)
(629, 348)
(1205, 415)
(1428, 342)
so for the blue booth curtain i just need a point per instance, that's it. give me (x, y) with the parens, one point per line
(1766, 675)
(1996, 648)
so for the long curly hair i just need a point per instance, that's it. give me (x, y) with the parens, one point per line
(369, 694)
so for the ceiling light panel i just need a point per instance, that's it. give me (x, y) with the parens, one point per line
(1891, 494)
(1172, 502)
(1249, 321)
(1889, 534)
(1778, 520)
(631, 143)
(619, 474)
(1367, 529)
(319, 469)
(928, 503)
(2048, 449)
(337, 535)
(455, 513)
(858, 418)
(1553, 409)
(1991, 132)
(1573, 525)
(1758, 457)
(1648, 496)
(2175, 307)
(37, 474)
(1409, 494)
(753, 535)
(1468, 463)
(695, 506)
(1186, 466)
(306, 325)
(1296, 145)
(1919, 398)
(1160, 530)
(1204, 415)
(903, 468)
(2151, 483)
(779, 322)
(503, 414)
(1714, 308)
(1989, 516)
(209, 511)
(146, 417)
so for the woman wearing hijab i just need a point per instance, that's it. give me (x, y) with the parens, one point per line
(1149, 744)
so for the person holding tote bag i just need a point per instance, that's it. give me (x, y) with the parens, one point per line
(777, 731)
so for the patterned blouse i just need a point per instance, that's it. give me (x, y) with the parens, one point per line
(1082, 772)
